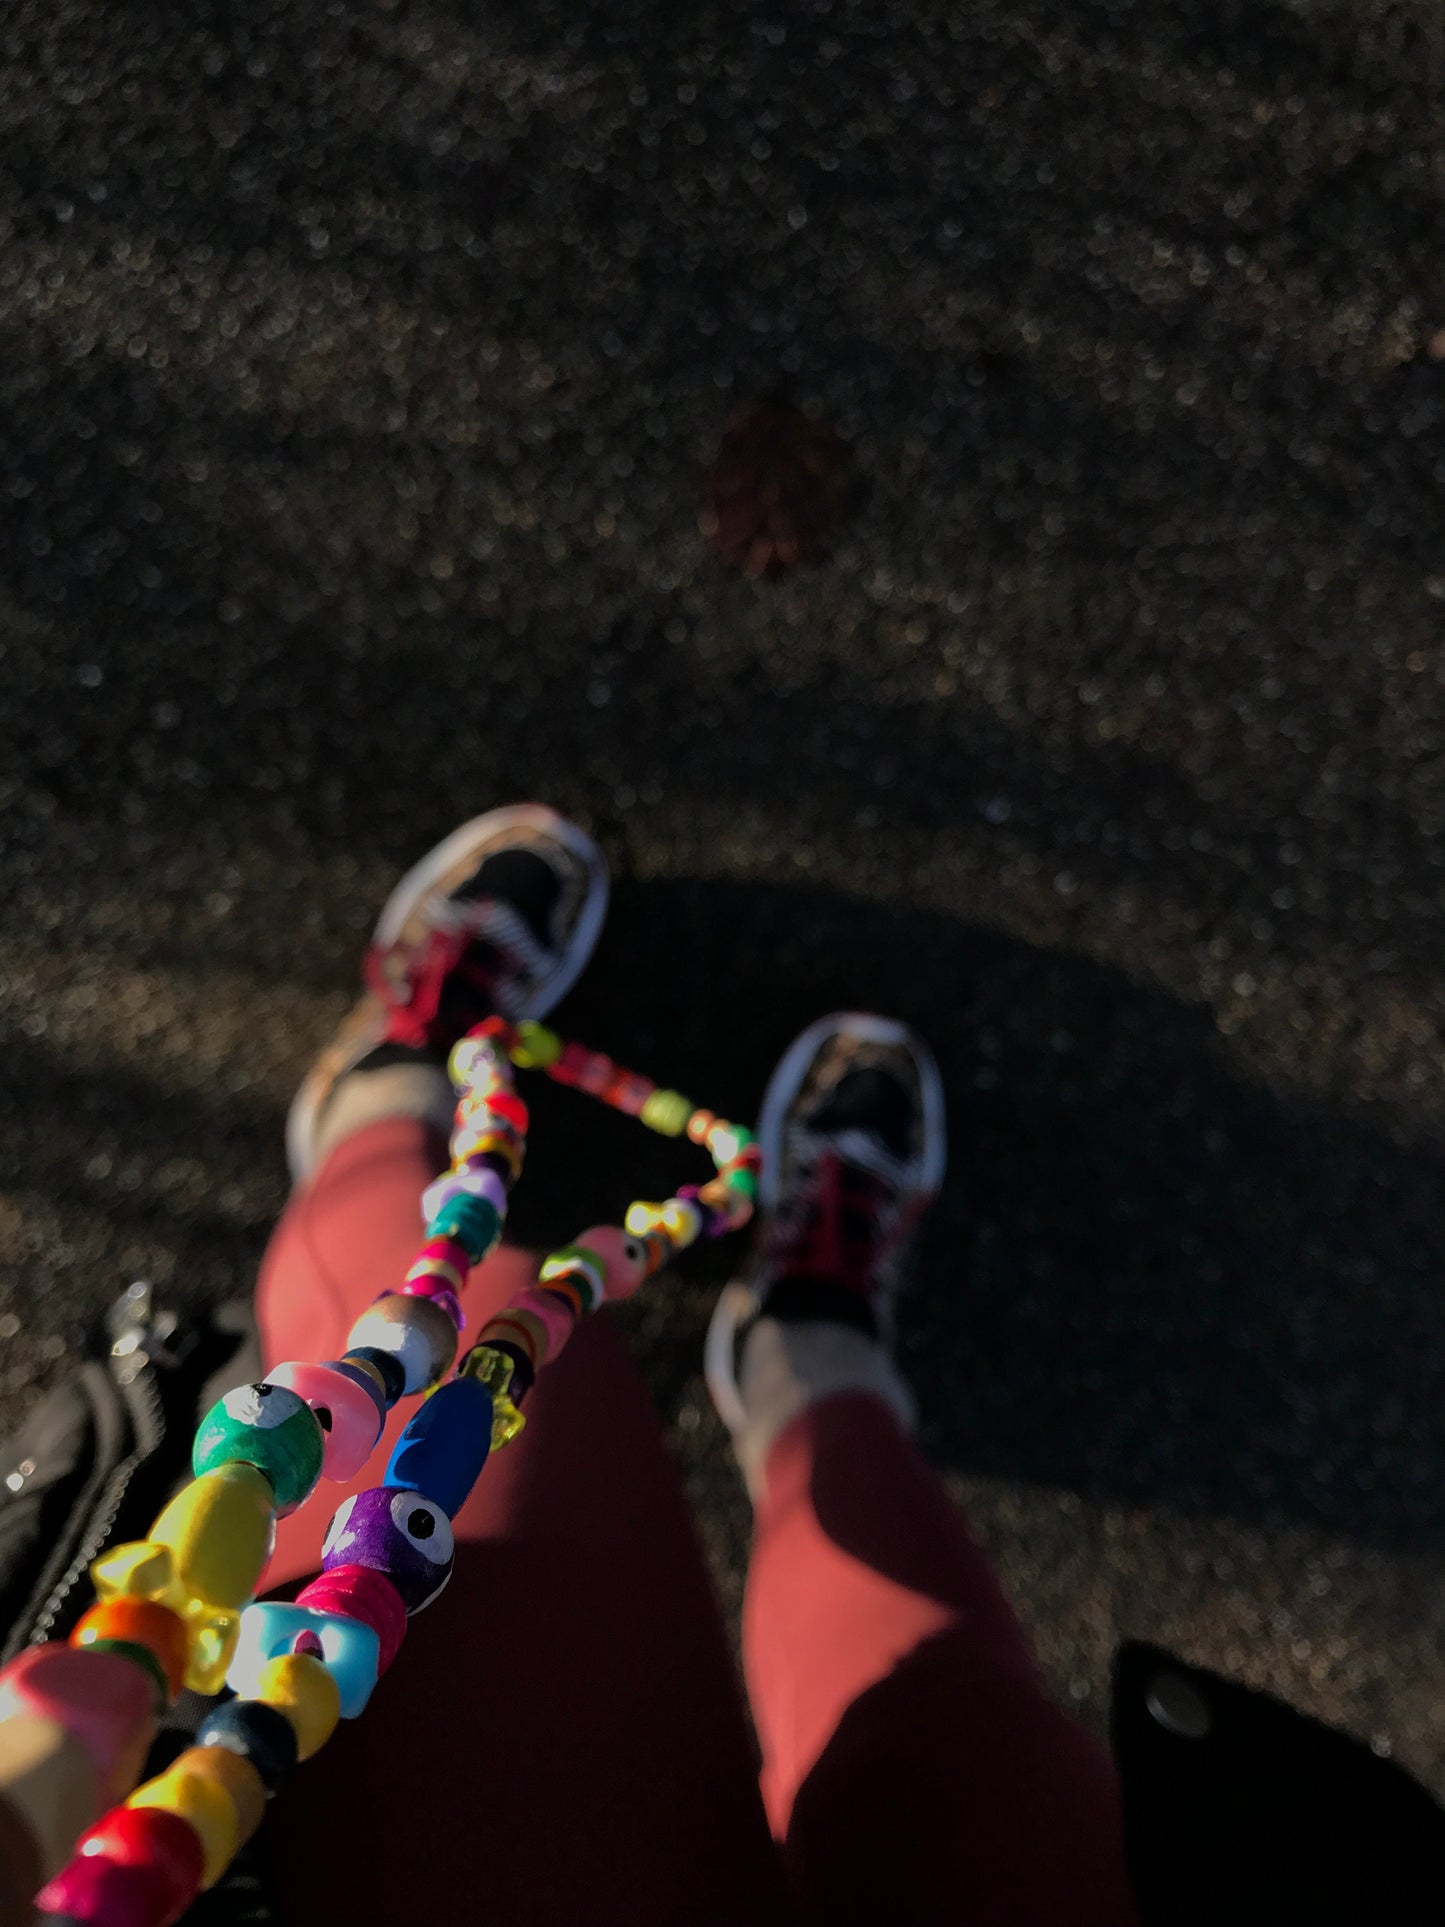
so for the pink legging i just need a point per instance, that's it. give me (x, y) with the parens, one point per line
(561, 1739)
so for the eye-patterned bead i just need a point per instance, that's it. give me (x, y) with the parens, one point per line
(349, 1416)
(267, 1426)
(399, 1532)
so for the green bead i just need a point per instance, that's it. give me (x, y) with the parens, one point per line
(141, 1656)
(743, 1181)
(267, 1426)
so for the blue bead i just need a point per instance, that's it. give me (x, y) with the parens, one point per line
(445, 1445)
(350, 1652)
(260, 1733)
(390, 1367)
(362, 1378)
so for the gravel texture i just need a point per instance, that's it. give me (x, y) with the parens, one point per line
(359, 368)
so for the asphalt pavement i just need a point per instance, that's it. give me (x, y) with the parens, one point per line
(360, 367)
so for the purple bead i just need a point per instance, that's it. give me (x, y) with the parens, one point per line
(395, 1531)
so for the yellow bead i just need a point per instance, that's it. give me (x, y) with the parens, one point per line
(204, 1556)
(205, 1804)
(298, 1685)
(240, 1779)
(495, 1370)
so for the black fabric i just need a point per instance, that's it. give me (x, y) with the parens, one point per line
(523, 880)
(90, 1468)
(385, 1056)
(1265, 1815)
(804, 1301)
(869, 1100)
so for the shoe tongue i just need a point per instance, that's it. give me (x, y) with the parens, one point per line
(871, 1103)
(525, 882)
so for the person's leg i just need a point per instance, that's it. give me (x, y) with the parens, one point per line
(561, 1737)
(912, 1765)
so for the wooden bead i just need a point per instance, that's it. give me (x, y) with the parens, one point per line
(270, 1427)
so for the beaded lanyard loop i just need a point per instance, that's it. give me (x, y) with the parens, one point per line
(177, 1609)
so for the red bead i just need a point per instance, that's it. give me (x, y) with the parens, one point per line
(360, 1592)
(137, 1867)
(507, 1106)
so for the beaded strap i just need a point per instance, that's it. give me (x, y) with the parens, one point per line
(177, 1608)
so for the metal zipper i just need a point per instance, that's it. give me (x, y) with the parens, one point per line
(142, 1400)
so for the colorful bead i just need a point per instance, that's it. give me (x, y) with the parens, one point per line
(506, 1105)
(500, 1368)
(440, 1295)
(396, 1531)
(350, 1415)
(623, 1259)
(445, 1444)
(667, 1112)
(437, 1261)
(203, 1803)
(239, 1778)
(469, 1056)
(137, 1867)
(205, 1554)
(360, 1592)
(144, 1660)
(298, 1685)
(260, 1733)
(476, 1222)
(139, 1622)
(102, 1700)
(267, 1426)
(49, 1787)
(382, 1368)
(475, 1182)
(483, 1140)
(270, 1630)
(536, 1048)
(558, 1312)
(522, 1328)
(575, 1261)
(413, 1331)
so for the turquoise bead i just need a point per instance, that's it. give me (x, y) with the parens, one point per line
(350, 1650)
(475, 1222)
(269, 1427)
(445, 1446)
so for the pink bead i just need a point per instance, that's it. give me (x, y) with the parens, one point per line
(360, 1592)
(355, 1425)
(440, 1293)
(103, 1699)
(554, 1312)
(623, 1257)
(112, 1893)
